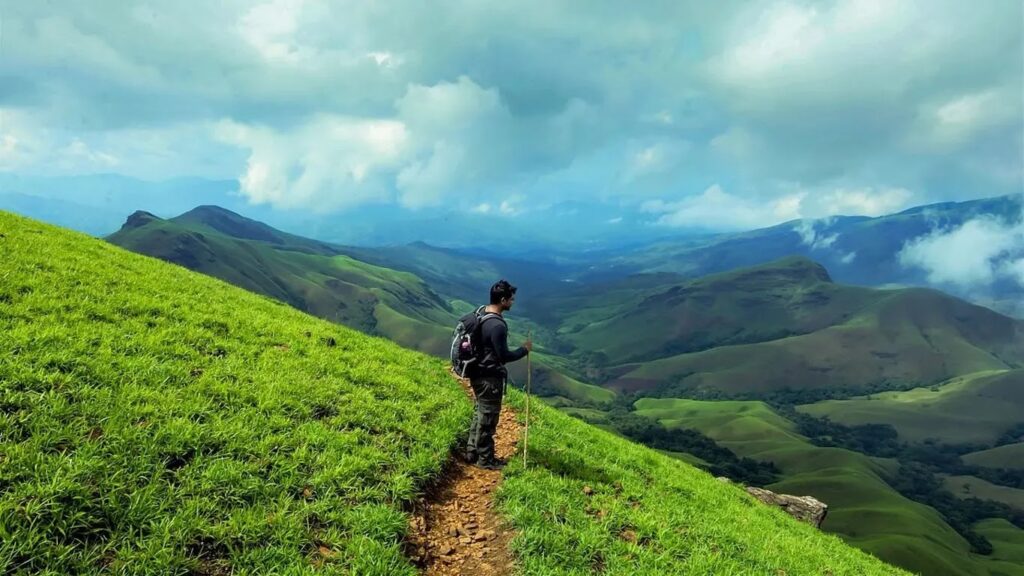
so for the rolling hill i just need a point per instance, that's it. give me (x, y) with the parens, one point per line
(351, 286)
(975, 408)
(863, 508)
(155, 420)
(310, 275)
(856, 249)
(783, 326)
(782, 330)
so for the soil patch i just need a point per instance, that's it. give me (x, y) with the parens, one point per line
(454, 528)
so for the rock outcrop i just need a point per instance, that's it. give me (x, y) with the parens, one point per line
(804, 508)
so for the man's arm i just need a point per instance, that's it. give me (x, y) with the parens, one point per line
(498, 334)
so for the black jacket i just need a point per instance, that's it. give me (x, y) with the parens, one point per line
(494, 336)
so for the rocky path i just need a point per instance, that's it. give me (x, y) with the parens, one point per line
(454, 528)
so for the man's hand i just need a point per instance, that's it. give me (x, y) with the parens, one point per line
(528, 345)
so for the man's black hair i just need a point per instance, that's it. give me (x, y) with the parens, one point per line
(501, 289)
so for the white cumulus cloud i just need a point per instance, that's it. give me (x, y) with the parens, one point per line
(969, 256)
(717, 208)
(326, 163)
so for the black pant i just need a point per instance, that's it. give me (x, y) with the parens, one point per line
(488, 391)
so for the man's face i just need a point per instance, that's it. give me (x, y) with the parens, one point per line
(506, 303)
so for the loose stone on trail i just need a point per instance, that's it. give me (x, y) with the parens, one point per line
(457, 520)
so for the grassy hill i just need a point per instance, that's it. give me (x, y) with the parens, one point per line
(971, 487)
(351, 286)
(1009, 544)
(863, 508)
(158, 421)
(785, 326)
(153, 420)
(1006, 456)
(974, 408)
(310, 275)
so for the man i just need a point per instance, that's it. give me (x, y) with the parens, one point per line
(488, 381)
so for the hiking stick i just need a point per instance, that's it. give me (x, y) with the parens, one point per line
(526, 434)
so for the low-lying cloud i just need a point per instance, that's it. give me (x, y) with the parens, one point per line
(971, 256)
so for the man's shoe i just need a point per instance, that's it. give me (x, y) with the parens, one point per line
(469, 457)
(491, 464)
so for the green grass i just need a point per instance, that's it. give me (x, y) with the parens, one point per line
(157, 421)
(311, 276)
(1007, 456)
(321, 279)
(977, 407)
(1007, 541)
(781, 327)
(971, 487)
(153, 420)
(863, 508)
(684, 521)
(885, 346)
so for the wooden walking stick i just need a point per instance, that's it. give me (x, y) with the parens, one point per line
(526, 433)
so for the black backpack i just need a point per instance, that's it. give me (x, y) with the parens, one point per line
(467, 348)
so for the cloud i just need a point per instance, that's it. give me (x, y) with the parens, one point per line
(351, 157)
(810, 236)
(771, 99)
(970, 256)
(950, 124)
(653, 159)
(716, 208)
(819, 91)
(864, 201)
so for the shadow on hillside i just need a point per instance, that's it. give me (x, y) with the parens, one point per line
(568, 465)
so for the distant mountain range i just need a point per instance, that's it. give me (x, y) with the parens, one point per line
(584, 242)
(569, 227)
(856, 250)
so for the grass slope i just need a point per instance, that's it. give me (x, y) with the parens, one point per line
(327, 281)
(973, 408)
(849, 338)
(310, 275)
(971, 487)
(648, 514)
(1007, 456)
(1008, 542)
(863, 508)
(153, 420)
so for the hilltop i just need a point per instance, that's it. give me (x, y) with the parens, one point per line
(310, 275)
(163, 421)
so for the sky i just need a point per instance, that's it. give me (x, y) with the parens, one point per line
(695, 114)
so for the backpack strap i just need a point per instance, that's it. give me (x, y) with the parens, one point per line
(488, 316)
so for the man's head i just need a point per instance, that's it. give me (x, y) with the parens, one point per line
(503, 295)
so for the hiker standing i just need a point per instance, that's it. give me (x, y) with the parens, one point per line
(490, 376)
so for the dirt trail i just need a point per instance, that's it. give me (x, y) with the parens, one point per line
(454, 528)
